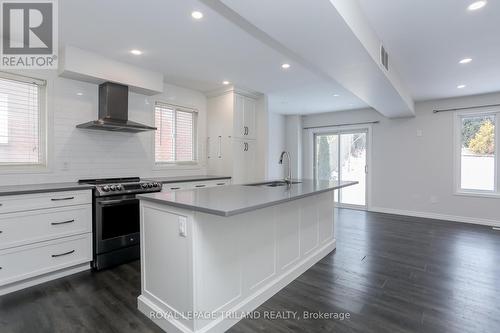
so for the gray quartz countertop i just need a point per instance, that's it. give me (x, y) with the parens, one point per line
(41, 188)
(183, 179)
(236, 199)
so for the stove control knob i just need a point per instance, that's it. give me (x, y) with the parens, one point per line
(150, 185)
(112, 187)
(144, 185)
(155, 184)
(118, 187)
(105, 188)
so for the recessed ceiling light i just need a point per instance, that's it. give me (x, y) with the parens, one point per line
(285, 66)
(477, 5)
(461, 86)
(197, 15)
(136, 52)
(336, 95)
(465, 60)
(79, 93)
(225, 83)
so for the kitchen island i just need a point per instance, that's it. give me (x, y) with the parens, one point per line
(211, 256)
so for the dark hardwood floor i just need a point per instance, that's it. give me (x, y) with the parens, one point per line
(389, 273)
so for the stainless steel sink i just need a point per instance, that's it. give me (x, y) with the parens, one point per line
(275, 183)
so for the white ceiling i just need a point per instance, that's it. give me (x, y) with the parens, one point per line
(426, 39)
(197, 54)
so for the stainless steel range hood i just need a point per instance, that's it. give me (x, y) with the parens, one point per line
(113, 111)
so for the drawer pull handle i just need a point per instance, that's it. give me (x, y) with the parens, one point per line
(62, 199)
(200, 185)
(221, 184)
(175, 188)
(64, 222)
(62, 254)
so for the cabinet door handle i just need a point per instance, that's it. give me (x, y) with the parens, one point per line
(64, 222)
(246, 146)
(219, 154)
(219, 184)
(208, 147)
(200, 185)
(175, 188)
(62, 254)
(62, 199)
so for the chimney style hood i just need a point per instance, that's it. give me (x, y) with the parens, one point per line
(113, 111)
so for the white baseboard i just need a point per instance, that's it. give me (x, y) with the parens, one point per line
(43, 278)
(148, 306)
(436, 216)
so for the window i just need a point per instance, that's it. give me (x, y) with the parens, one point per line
(477, 151)
(22, 121)
(175, 137)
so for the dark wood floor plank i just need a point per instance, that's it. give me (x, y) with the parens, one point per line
(390, 273)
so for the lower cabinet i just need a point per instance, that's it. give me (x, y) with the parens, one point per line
(25, 262)
(167, 187)
(48, 237)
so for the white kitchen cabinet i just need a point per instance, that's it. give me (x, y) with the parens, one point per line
(244, 117)
(244, 155)
(44, 236)
(233, 135)
(168, 187)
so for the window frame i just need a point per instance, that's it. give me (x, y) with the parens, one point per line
(457, 153)
(43, 132)
(194, 164)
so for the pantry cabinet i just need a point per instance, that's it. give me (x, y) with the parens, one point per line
(233, 136)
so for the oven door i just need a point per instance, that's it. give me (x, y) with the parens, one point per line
(117, 223)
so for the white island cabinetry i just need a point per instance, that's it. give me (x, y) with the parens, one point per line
(224, 251)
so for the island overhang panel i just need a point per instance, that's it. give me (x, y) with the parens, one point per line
(202, 272)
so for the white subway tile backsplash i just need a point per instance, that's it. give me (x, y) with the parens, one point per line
(77, 153)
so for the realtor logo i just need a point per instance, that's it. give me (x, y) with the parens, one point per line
(29, 34)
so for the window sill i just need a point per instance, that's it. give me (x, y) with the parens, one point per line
(493, 195)
(24, 169)
(178, 166)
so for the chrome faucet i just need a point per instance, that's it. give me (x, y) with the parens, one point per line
(288, 178)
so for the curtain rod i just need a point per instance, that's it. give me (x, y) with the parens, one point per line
(466, 108)
(350, 124)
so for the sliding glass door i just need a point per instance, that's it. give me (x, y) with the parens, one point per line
(342, 155)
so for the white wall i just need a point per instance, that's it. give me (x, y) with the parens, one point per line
(414, 175)
(276, 144)
(294, 144)
(77, 153)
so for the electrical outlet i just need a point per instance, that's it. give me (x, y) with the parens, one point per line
(182, 226)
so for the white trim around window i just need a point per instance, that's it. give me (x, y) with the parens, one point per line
(178, 114)
(459, 188)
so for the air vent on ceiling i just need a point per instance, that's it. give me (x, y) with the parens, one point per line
(384, 57)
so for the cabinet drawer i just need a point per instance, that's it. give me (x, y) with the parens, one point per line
(28, 261)
(40, 225)
(167, 187)
(26, 202)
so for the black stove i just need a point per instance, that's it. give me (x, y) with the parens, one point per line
(116, 219)
(120, 186)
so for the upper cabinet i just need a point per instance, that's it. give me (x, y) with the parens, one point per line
(244, 117)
